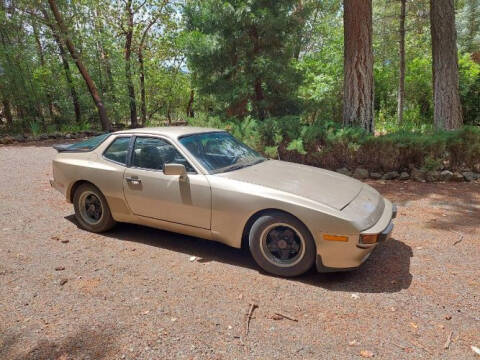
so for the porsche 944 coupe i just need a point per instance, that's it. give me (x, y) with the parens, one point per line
(205, 183)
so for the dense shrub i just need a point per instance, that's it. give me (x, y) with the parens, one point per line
(328, 145)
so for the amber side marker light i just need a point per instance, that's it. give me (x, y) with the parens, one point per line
(369, 239)
(335, 238)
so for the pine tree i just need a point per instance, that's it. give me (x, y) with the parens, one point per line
(242, 53)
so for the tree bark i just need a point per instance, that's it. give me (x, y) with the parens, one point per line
(401, 78)
(128, 68)
(446, 97)
(106, 125)
(358, 65)
(190, 112)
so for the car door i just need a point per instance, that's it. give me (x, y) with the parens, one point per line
(150, 193)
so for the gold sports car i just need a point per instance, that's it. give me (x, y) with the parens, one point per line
(205, 183)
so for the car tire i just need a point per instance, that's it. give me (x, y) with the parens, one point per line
(91, 209)
(281, 244)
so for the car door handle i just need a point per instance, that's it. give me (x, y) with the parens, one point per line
(133, 180)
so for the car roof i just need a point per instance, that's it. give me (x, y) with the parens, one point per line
(170, 131)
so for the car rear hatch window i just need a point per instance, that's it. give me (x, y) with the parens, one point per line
(87, 145)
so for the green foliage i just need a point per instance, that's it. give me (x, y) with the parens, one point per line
(328, 145)
(35, 128)
(431, 164)
(74, 128)
(242, 53)
(469, 72)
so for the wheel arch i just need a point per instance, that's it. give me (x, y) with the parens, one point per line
(75, 186)
(251, 220)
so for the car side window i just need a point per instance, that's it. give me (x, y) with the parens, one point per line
(118, 150)
(152, 153)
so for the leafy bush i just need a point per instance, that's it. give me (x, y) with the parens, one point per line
(328, 145)
(74, 128)
(469, 72)
(35, 128)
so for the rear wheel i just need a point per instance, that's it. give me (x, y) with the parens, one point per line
(281, 244)
(91, 209)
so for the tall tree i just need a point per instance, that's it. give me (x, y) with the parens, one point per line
(446, 96)
(143, 99)
(41, 56)
(106, 125)
(401, 76)
(358, 65)
(241, 53)
(129, 12)
(65, 63)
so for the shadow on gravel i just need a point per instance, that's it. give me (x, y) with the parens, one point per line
(456, 205)
(84, 344)
(387, 270)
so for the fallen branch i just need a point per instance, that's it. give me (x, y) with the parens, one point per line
(286, 316)
(460, 239)
(249, 317)
(400, 346)
(449, 340)
(421, 347)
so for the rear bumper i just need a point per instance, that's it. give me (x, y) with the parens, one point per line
(352, 254)
(57, 186)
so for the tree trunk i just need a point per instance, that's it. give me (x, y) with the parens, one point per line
(190, 112)
(358, 65)
(259, 97)
(106, 125)
(401, 78)
(143, 105)
(7, 112)
(128, 68)
(143, 101)
(66, 66)
(68, 76)
(446, 97)
(105, 57)
(169, 116)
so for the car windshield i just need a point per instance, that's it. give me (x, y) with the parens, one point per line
(220, 152)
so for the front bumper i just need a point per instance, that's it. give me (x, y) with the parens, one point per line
(350, 255)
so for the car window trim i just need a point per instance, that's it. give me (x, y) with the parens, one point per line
(111, 143)
(168, 141)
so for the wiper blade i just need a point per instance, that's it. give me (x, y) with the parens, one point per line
(238, 166)
(233, 167)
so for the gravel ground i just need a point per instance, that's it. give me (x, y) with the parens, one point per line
(134, 293)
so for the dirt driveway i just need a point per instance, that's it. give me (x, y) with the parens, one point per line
(134, 293)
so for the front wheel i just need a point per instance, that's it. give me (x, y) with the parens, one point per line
(91, 209)
(281, 244)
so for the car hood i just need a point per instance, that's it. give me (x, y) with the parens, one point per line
(323, 186)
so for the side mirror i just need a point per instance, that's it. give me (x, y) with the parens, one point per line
(174, 169)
